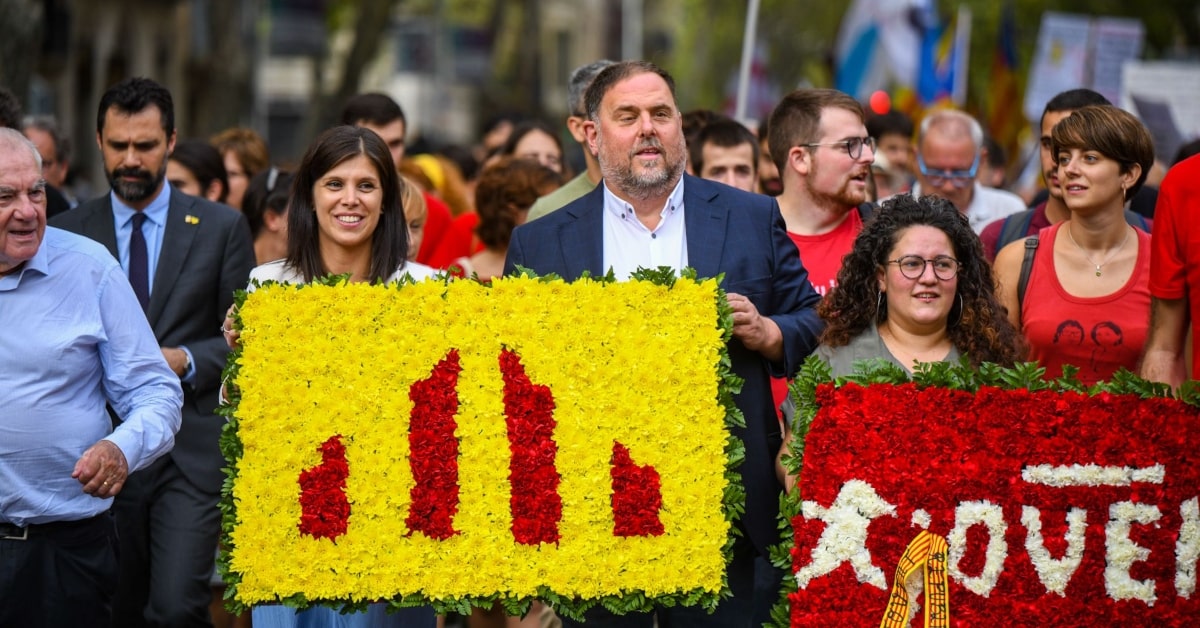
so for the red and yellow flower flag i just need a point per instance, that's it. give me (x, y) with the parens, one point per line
(457, 444)
(984, 498)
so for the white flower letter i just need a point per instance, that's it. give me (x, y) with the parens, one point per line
(966, 515)
(1120, 552)
(1187, 548)
(1055, 573)
(844, 539)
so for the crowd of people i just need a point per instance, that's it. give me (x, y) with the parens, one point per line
(838, 232)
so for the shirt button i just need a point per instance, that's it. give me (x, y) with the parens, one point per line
(653, 236)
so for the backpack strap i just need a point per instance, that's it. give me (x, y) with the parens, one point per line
(1015, 227)
(1031, 244)
(1135, 219)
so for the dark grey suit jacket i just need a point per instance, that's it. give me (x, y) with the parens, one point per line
(728, 231)
(203, 260)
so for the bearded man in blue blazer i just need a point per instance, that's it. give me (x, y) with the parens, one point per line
(648, 213)
(185, 257)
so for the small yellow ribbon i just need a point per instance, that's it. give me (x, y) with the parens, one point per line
(922, 567)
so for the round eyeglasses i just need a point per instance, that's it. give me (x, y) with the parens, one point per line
(853, 146)
(913, 266)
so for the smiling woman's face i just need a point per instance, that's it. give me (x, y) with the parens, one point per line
(348, 201)
(920, 305)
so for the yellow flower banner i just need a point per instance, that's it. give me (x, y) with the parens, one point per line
(454, 444)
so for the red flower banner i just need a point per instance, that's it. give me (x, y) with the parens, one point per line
(1059, 508)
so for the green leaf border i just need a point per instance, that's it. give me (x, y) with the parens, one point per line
(953, 375)
(625, 602)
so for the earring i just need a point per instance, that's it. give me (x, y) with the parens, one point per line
(879, 305)
(961, 307)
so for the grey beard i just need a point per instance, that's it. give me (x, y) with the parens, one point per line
(646, 186)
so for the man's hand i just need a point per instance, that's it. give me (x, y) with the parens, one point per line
(759, 333)
(102, 470)
(176, 359)
(227, 330)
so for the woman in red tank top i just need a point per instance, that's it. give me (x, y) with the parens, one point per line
(1087, 301)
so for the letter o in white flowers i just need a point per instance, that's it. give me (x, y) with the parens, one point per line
(1120, 552)
(991, 516)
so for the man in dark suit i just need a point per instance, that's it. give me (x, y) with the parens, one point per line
(185, 259)
(648, 213)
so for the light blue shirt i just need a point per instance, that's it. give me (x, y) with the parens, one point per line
(153, 230)
(73, 336)
(629, 245)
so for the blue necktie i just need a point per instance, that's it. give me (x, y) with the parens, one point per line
(139, 263)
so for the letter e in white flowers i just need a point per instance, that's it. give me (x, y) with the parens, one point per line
(1187, 548)
(1055, 573)
(990, 516)
(1120, 552)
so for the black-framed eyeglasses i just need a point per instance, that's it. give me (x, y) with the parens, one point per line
(913, 266)
(958, 178)
(853, 146)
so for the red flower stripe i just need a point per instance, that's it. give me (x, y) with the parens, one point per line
(636, 497)
(433, 450)
(324, 508)
(529, 413)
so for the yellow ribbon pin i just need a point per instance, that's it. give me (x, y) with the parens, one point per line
(191, 220)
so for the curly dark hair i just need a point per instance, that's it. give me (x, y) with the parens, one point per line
(978, 325)
(505, 190)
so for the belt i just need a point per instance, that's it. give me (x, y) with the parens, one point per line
(14, 532)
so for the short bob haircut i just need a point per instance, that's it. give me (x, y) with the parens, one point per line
(389, 243)
(977, 325)
(1113, 132)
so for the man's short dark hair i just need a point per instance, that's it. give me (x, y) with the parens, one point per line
(890, 123)
(616, 73)
(578, 83)
(1073, 99)
(723, 132)
(373, 108)
(133, 95)
(10, 110)
(797, 119)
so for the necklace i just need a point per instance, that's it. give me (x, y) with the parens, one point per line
(1089, 257)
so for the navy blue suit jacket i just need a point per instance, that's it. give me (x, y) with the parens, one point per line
(728, 231)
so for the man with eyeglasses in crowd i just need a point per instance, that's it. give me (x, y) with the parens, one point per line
(819, 142)
(949, 150)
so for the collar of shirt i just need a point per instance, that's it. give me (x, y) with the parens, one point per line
(40, 262)
(156, 222)
(629, 245)
(620, 209)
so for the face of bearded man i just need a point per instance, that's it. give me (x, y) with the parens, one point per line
(836, 179)
(135, 149)
(638, 138)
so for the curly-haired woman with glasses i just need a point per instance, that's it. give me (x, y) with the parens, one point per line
(916, 288)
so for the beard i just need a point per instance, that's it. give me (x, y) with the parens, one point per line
(139, 189)
(843, 196)
(648, 183)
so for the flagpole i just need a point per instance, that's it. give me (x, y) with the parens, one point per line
(962, 54)
(748, 42)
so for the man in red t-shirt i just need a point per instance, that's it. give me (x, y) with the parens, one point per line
(819, 142)
(1174, 276)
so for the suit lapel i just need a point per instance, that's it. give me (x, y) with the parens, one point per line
(706, 220)
(178, 235)
(582, 239)
(99, 226)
